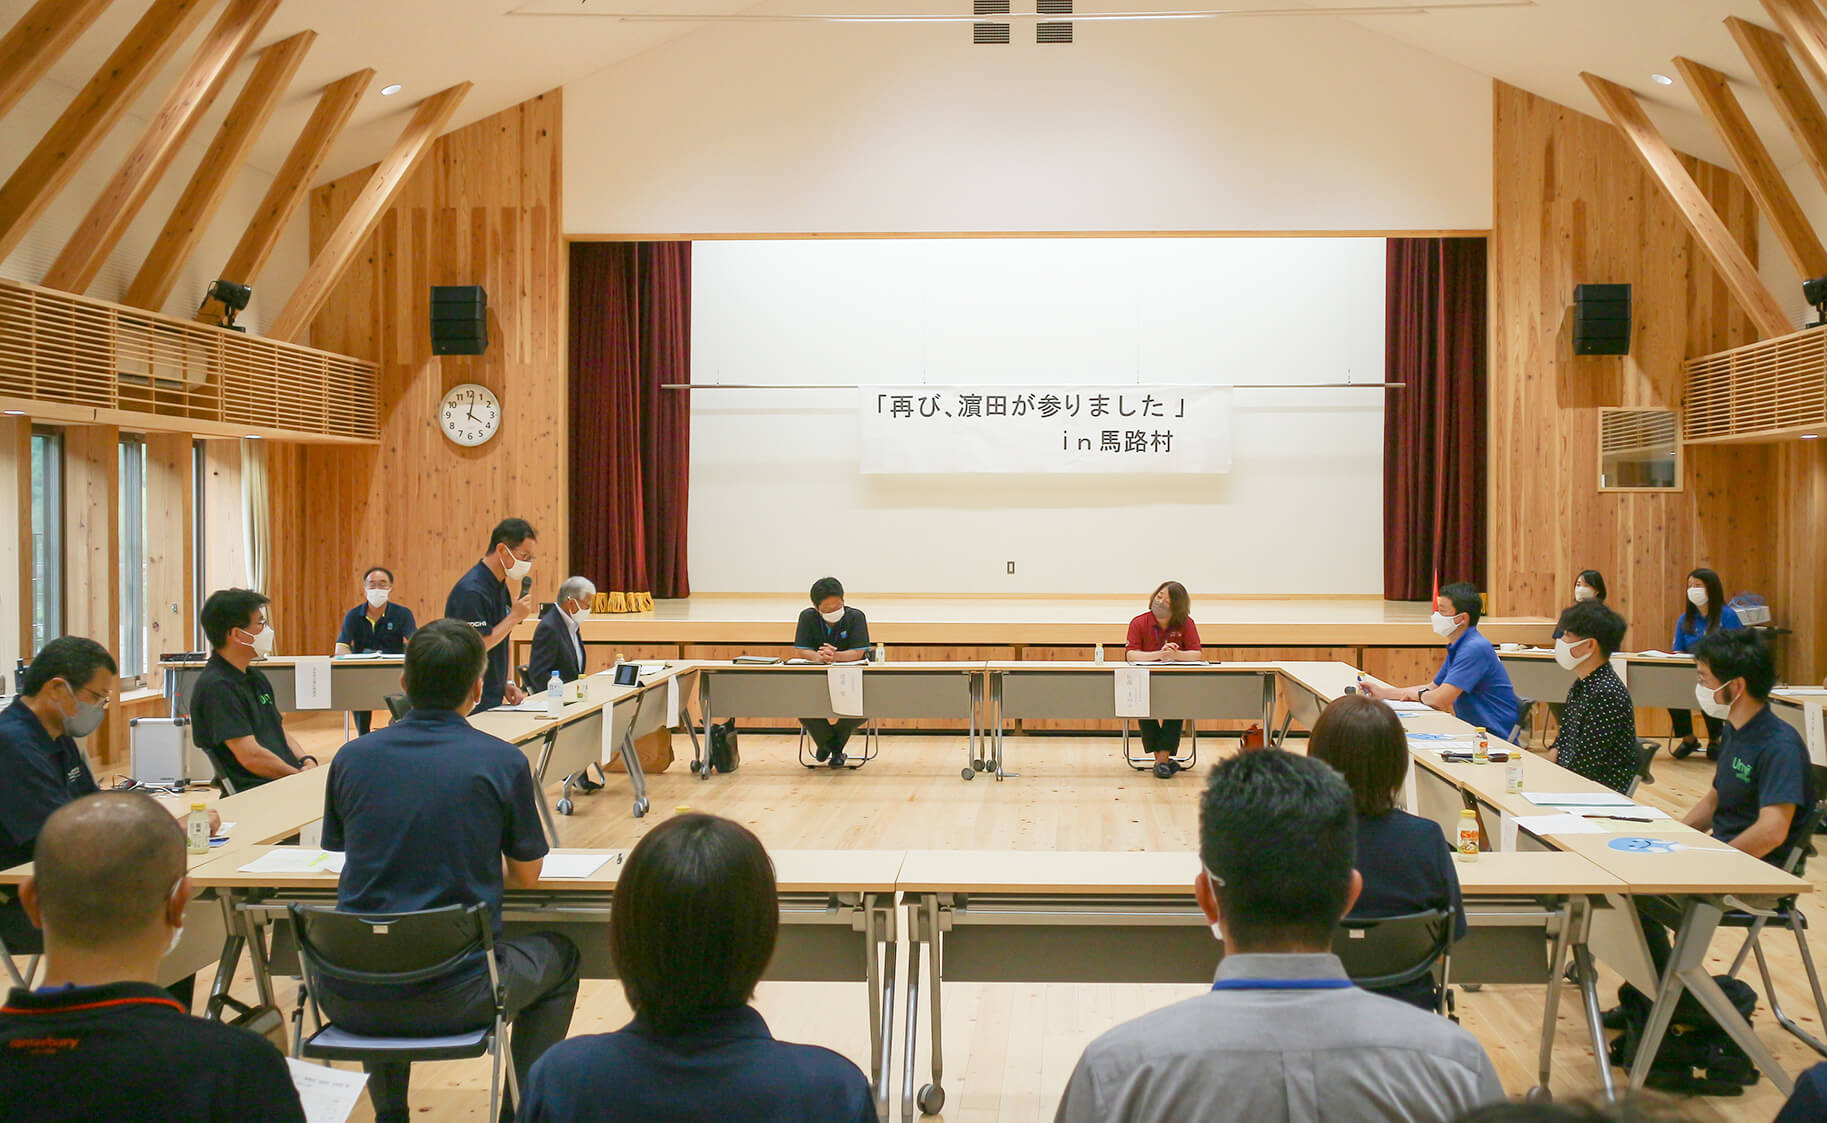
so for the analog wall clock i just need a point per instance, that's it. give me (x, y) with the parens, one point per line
(470, 414)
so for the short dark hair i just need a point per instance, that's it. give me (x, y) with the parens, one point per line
(826, 587)
(104, 866)
(1465, 598)
(1277, 831)
(1364, 740)
(511, 531)
(695, 920)
(374, 569)
(74, 659)
(1592, 620)
(226, 610)
(1592, 579)
(1738, 653)
(443, 661)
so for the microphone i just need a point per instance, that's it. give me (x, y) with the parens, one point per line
(526, 585)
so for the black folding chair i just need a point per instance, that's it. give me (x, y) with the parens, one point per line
(1185, 761)
(1646, 752)
(221, 780)
(398, 949)
(1785, 914)
(398, 706)
(872, 745)
(1392, 951)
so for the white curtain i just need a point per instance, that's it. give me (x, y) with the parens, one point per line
(257, 528)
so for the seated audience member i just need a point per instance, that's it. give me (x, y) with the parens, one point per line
(557, 645)
(64, 695)
(831, 632)
(693, 928)
(1598, 734)
(1472, 685)
(232, 714)
(100, 1040)
(1588, 586)
(1164, 634)
(376, 625)
(1404, 860)
(427, 812)
(1808, 1103)
(1764, 782)
(1283, 1034)
(1704, 613)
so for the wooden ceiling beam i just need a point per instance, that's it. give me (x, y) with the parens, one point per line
(293, 182)
(1805, 26)
(47, 169)
(120, 201)
(1786, 88)
(209, 184)
(1728, 257)
(1721, 106)
(358, 222)
(38, 40)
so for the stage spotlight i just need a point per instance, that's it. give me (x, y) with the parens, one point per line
(1814, 291)
(222, 302)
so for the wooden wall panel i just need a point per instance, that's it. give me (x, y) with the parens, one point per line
(482, 208)
(91, 555)
(15, 562)
(171, 609)
(1572, 204)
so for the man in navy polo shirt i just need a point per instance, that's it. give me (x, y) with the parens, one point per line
(1472, 685)
(63, 696)
(830, 631)
(427, 811)
(488, 599)
(377, 625)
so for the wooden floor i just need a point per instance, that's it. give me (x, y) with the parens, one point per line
(1010, 1048)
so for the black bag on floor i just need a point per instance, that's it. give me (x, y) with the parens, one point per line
(1696, 1056)
(725, 755)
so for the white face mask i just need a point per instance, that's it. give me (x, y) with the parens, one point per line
(1696, 596)
(1583, 593)
(517, 567)
(581, 614)
(87, 718)
(831, 617)
(262, 641)
(1710, 705)
(378, 597)
(1563, 654)
(1444, 625)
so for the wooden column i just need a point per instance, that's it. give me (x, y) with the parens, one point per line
(16, 562)
(171, 609)
(38, 40)
(91, 554)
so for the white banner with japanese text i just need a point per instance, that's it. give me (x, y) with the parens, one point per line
(937, 430)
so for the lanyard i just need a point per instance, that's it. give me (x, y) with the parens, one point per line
(1283, 984)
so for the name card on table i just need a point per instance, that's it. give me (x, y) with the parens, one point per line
(846, 683)
(1817, 742)
(1132, 691)
(311, 682)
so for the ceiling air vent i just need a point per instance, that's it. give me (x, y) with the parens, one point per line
(989, 32)
(1053, 31)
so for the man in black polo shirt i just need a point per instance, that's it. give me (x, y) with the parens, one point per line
(428, 811)
(99, 1040)
(488, 599)
(63, 696)
(830, 631)
(232, 715)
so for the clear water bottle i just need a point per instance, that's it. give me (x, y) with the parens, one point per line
(555, 695)
(1097, 654)
(881, 653)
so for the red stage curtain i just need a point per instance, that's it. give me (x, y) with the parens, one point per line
(630, 440)
(1434, 430)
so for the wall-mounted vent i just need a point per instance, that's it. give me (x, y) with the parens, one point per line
(989, 32)
(1053, 31)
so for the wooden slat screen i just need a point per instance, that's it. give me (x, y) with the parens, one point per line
(1774, 388)
(71, 351)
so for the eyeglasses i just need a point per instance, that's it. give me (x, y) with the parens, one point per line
(93, 697)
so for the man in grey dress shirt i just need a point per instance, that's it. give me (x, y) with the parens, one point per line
(1283, 1035)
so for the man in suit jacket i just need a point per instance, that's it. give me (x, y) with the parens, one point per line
(556, 643)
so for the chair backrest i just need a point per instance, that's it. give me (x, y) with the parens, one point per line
(1388, 951)
(1646, 753)
(405, 947)
(213, 753)
(525, 675)
(398, 705)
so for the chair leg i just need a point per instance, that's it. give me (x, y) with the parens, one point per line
(1751, 937)
(1797, 924)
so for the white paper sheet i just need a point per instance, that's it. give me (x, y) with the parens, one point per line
(1579, 799)
(327, 1094)
(360, 655)
(1131, 685)
(846, 683)
(609, 747)
(296, 859)
(577, 865)
(1410, 707)
(672, 703)
(1557, 824)
(1817, 743)
(1506, 832)
(311, 682)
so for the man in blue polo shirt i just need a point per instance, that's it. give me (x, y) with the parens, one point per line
(428, 811)
(1472, 685)
(488, 599)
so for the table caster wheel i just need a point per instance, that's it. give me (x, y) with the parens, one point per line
(967, 773)
(564, 807)
(640, 808)
(1538, 1095)
(694, 768)
(977, 765)
(931, 1099)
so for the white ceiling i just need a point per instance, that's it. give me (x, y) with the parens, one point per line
(428, 44)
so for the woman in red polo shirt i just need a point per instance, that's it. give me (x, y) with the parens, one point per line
(1164, 634)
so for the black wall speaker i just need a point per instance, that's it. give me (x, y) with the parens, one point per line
(1601, 319)
(459, 320)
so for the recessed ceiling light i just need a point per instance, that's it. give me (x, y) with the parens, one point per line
(389, 91)
(1811, 436)
(1659, 79)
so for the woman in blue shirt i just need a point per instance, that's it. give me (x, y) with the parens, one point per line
(1404, 859)
(1704, 613)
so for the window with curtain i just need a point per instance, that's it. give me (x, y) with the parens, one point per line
(132, 653)
(47, 536)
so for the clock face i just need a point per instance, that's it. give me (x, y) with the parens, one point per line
(470, 414)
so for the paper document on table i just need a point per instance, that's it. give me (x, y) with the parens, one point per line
(1557, 824)
(327, 1094)
(296, 859)
(1410, 707)
(1579, 799)
(846, 683)
(1131, 691)
(532, 704)
(1659, 655)
(311, 682)
(1817, 744)
(364, 655)
(1630, 811)
(577, 865)
(1620, 666)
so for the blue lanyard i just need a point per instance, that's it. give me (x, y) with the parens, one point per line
(1283, 984)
